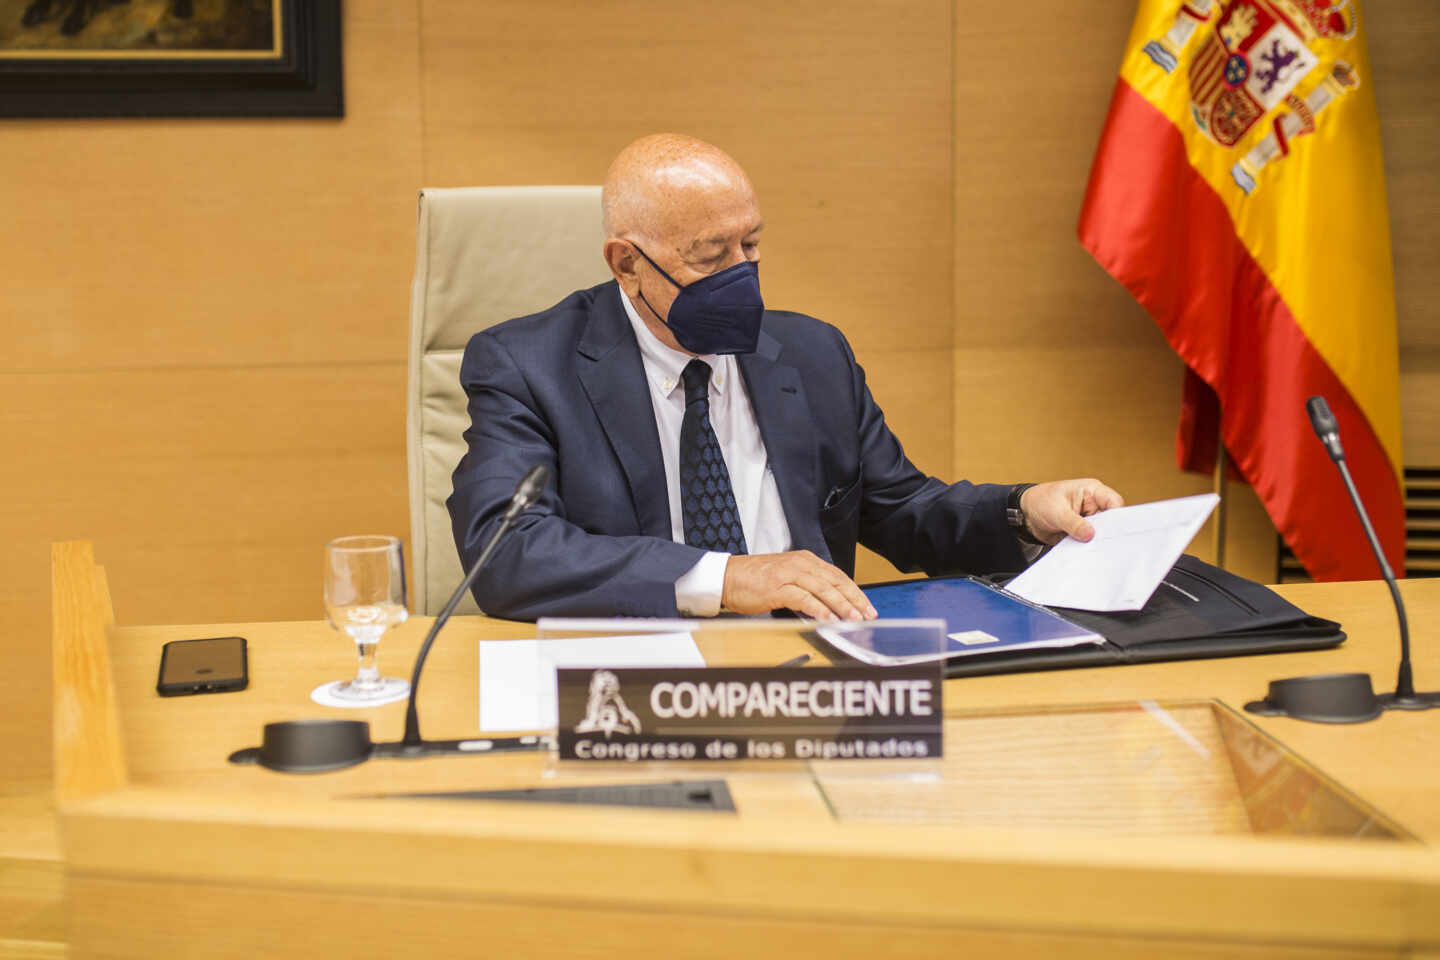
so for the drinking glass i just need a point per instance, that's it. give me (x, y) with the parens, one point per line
(365, 596)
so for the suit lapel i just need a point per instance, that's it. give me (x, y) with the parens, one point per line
(613, 377)
(783, 414)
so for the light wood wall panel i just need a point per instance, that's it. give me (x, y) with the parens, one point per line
(206, 326)
(208, 494)
(1404, 39)
(135, 244)
(913, 387)
(1031, 90)
(1420, 402)
(839, 111)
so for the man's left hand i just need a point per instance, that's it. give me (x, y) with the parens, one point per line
(1059, 508)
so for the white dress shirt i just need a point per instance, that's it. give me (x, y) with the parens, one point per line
(698, 591)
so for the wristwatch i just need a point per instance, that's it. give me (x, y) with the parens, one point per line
(1016, 517)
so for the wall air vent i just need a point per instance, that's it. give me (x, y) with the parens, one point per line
(1422, 531)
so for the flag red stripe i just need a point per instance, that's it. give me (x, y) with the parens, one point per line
(1160, 229)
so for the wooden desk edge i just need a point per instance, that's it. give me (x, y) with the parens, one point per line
(1316, 892)
(1333, 891)
(89, 752)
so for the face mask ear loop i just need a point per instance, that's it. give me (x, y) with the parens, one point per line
(655, 265)
(653, 311)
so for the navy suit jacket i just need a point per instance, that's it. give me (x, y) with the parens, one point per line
(566, 387)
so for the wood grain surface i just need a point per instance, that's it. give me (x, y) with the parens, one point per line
(429, 927)
(89, 755)
(210, 840)
(207, 318)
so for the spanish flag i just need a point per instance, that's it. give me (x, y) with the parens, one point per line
(1238, 193)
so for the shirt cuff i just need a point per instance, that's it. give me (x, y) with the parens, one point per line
(699, 589)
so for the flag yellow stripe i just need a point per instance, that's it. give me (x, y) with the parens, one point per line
(1317, 222)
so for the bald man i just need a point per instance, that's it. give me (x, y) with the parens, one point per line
(708, 454)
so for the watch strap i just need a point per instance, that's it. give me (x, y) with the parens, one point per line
(1015, 516)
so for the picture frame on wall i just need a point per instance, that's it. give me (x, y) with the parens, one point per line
(170, 58)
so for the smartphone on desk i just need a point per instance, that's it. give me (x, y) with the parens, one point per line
(207, 665)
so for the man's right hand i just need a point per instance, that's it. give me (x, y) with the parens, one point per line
(798, 581)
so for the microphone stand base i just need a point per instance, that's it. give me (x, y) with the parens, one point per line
(1415, 701)
(1334, 698)
(1323, 698)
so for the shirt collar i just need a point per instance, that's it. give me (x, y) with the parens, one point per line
(663, 364)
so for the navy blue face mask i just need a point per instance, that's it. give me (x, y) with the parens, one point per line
(717, 314)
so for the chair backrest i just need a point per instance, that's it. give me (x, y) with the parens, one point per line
(483, 255)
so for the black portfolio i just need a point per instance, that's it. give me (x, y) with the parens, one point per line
(1198, 611)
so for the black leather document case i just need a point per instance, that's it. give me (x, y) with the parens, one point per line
(1198, 611)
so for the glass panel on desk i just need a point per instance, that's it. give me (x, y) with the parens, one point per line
(1138, 768)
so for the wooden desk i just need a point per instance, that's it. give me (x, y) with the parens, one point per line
(180, 854)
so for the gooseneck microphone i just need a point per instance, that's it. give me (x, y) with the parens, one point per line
(314, 746)
(1323, 422)
(527, 491)
(1329, 433)
(1347, 697)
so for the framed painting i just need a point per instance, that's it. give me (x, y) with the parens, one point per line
(170, 58)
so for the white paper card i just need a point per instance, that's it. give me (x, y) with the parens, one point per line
(517, 677)
(1133, 549)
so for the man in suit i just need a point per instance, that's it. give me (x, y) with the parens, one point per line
(707, 453)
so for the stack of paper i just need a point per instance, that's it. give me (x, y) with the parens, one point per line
(1133, 549)
(517, 677)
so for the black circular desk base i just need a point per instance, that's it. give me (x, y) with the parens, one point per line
(1334, 698)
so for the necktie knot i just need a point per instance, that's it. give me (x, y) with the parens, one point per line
(696, 377)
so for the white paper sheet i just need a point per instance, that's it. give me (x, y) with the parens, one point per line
(1133, 549)
(517, 677)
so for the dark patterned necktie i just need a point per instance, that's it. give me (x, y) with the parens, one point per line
(707, 501)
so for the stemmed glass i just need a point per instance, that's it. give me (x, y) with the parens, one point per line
(365, 596)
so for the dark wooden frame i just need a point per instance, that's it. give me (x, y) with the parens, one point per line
(304, 81)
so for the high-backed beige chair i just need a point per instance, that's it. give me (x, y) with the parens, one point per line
(483, 255)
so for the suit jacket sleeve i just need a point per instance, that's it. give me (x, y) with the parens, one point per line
(917, 522)
(547, 565)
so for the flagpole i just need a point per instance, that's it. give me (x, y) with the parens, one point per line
(1221, 509)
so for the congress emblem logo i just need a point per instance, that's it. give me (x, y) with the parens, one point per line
(1248, 58)
(605, 710)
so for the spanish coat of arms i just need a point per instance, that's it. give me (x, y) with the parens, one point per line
(1248, 57)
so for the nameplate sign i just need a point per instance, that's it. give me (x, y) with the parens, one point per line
(750, 713)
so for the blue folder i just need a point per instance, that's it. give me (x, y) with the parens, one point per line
(978, 619)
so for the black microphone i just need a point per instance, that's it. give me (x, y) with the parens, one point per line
(527, 491)
(1347, 697)
(310, 746)
(1326, 429)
